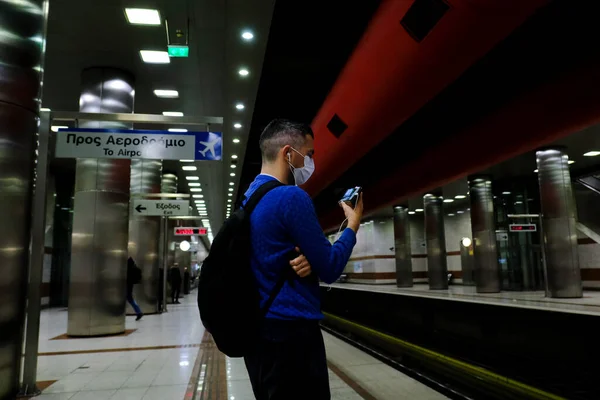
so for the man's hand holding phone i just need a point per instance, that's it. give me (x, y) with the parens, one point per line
(354, 215)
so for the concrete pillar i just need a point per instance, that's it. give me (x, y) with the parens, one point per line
(402, 247)
(101, 216)
(487, 270)
(559, 220)
(21, 53)
(435, 236)
(144, 235)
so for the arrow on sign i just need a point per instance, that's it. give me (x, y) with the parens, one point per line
(139, 208)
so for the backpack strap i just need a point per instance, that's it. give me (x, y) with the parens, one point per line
(249, 207)
(259, 193)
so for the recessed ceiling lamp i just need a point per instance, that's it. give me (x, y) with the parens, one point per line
(571, 162)
(192, 178)
(448, 200)
(411, 212)
(194, 184)
(592, 153)
(172, 114)
(236, 140)
(243, 72)
(234, 156)
(142, 16)
(460, 196)
(229, 194)
(231, 189)
(180, 130)
(166, 93)
(155, 57)
(198, 196)
(237, 125)
(195, 189)
(247, 35)
(232, 165)
(231, 183)
(419, 210)
(189, 168)
(229, 200)
(232, 174)
(239, 106)
(535, 170)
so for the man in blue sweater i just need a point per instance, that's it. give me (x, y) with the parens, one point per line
(288, 361)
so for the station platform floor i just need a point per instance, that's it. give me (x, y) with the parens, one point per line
(589, 304)
(170, 356)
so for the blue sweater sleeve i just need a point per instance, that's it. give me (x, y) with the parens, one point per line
(300, 219)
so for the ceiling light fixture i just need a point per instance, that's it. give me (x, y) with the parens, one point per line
(243, 72)
(237, 125)
(505, 192)
(229, 194)
(239, 106)
(142, 16)
(231, 183)
(419, 210)
(232, 174)
(194, 184)
(189, 168)
(411, 212)
(592, 153)
(236, 140)
(535, 170)
(229, 200)
(155, 57)
(460, 196)
(44, 109)
(166, 93)
(180, 130)
(234, 156)
(231, 189)
(172, 113)
(571, 162)
(448, 200)
(232, 165)
(247, 35)
(195, 189)
(192, 178)
(198, 196)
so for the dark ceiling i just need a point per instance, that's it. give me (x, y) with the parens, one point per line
(309, 43)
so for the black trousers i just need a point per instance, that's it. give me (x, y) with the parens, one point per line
(175, 289)
(289, 362)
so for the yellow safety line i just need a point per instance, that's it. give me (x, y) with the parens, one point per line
(475, 370)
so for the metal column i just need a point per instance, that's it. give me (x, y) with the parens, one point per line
(22, 47)
(487, 270)
(437, 264)
(168, 184)
(402, 246)
(101, 215)
(559, 220)
(144, 235)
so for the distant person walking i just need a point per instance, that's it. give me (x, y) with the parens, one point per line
(134, 276)
(175, 283)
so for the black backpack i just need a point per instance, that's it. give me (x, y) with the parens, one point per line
(135, 271)
(228, 296)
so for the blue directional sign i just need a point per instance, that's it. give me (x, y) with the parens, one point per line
(125, 143)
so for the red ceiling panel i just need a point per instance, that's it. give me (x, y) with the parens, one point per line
(390, 76)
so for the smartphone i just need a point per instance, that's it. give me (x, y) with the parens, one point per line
(351, 196)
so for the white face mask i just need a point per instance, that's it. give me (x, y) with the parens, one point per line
(301, 175)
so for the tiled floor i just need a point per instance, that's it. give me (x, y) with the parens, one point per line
(588, 304)
(157, 361)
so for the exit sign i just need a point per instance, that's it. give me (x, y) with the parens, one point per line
(178, 51)
(190, 231)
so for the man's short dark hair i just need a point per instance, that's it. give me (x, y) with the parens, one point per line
(281, 132)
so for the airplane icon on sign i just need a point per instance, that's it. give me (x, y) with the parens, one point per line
(209, 146)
